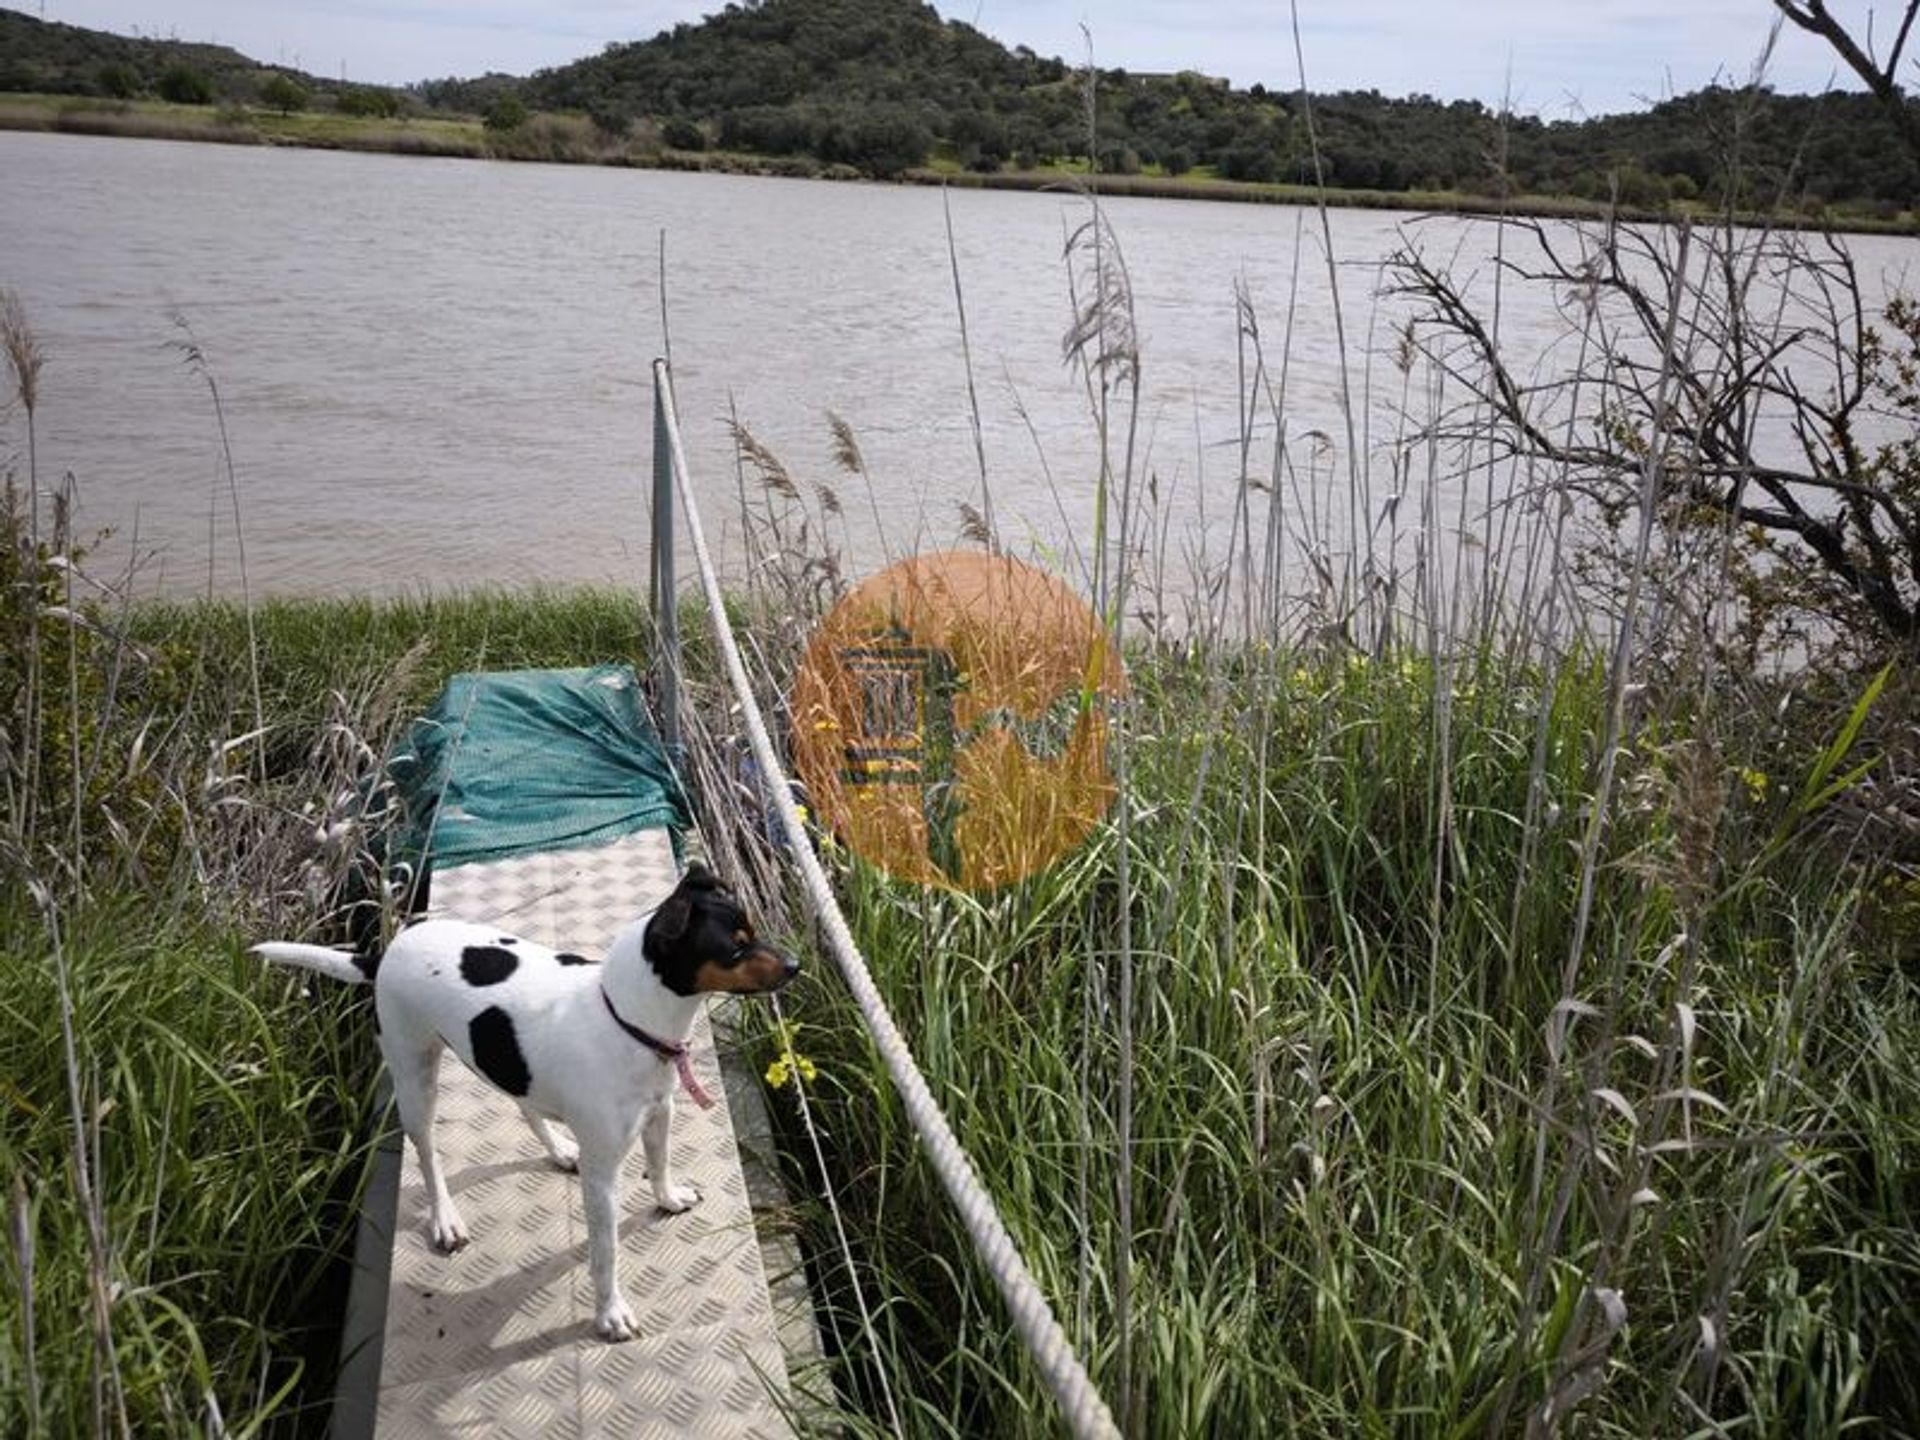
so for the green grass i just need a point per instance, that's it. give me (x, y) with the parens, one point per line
(1339, 1078)
(224, 1108)
(1342, 1072)
(227, 1116)
(313, 649)
(1202, 184)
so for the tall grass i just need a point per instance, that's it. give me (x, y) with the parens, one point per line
(1336, 1093)
(1477, 1015)
(1482, 1014)
(186, 1132)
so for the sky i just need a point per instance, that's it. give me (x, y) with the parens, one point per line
(1554, 58)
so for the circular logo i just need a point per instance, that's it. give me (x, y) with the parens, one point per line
(950, 720)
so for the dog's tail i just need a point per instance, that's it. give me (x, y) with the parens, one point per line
(337, 964)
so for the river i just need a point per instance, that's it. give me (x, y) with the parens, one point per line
(435, 373)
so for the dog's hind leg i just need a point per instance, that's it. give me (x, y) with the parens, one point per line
(564, 1153)
(416, 1091)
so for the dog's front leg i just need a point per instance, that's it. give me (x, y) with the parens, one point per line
(600, 1188)
(655, 1127)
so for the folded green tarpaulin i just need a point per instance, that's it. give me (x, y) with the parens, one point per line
(525, 760)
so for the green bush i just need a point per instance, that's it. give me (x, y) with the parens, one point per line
(1249, 162)
(284, 93)
(611, 121)
(118, 81)
(184, 85)
(884, 142)
(682, 134)
(370, 101)
(505, 114)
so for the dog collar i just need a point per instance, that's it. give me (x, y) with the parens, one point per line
(666, 1050)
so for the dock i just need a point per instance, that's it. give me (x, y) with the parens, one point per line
(497, 1340)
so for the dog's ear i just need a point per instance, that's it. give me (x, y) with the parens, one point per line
(669, 922)
(676, 911)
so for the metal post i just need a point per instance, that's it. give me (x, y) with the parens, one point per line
(666, 622)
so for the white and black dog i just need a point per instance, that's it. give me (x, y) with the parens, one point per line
(600, 1048)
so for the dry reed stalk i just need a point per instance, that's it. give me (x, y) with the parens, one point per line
(26, 359)
(973, 395)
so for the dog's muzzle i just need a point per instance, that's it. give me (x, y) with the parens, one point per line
(789, 966)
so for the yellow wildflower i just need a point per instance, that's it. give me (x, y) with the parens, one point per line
(789, 1062)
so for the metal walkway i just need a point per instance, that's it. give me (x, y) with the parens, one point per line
(498, 1339)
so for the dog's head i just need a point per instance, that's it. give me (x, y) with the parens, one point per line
(700, 941)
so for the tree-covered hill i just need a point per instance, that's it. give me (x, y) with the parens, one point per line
(885, 85)
(48, 57)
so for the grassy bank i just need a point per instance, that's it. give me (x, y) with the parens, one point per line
(184, 1163)
(1349, 1030)
(573, 139)
(1389, 1172)
(1202, 186)
(1490, 1007)
(1493, 1003)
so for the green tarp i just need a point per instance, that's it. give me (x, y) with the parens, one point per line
(505, 764)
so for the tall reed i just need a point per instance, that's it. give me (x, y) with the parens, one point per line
(1502, 1044)
(186, 1133)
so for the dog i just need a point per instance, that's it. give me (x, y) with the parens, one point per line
(600, 1048)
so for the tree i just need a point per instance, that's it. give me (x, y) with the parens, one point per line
(1752, 428)
(507, 112)
(367, 100)
(184, 85)
(1250, 160)
(683, 134)
(610, 119)
(284, 93)
(1814, 17)
(120, 81)
(886, 141)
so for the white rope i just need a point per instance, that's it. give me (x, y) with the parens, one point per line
(1085, 1413)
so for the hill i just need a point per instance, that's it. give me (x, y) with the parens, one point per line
(45, 55)
(883, 86)
(881, 83)
(48, 57)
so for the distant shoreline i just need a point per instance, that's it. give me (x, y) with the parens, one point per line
(570, 140)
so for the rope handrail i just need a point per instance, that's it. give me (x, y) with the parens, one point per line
(1081, 1405)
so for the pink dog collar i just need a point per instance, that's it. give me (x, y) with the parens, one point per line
(666, 1050)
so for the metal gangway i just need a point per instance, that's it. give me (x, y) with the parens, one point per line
(497, 1340)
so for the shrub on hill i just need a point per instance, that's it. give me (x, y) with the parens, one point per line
(184, 85)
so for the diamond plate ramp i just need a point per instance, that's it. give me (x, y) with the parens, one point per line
(498, 1339)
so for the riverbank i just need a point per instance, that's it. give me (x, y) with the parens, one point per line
(1348, 945)
(574, 140)
(186, 1166)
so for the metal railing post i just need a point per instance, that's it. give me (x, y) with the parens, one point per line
(662, 594)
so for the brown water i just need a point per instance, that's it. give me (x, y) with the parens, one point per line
(436, 372)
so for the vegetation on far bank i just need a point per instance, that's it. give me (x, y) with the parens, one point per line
(849, 87)
(573, 140)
